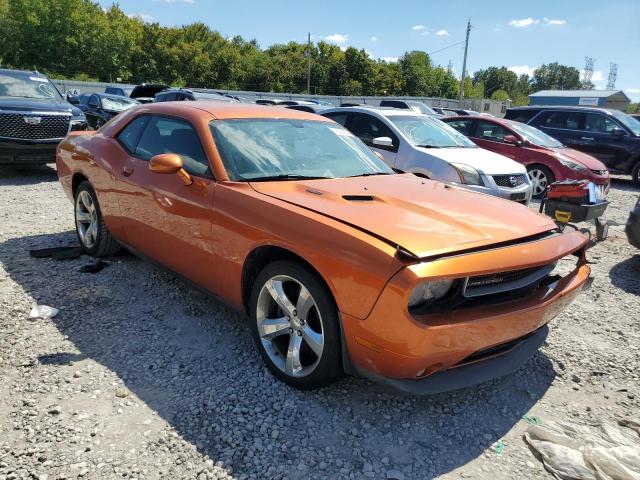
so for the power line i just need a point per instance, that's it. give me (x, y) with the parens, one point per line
(444, 48)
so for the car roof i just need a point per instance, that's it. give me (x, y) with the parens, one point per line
(228, 110)
(384, 111)
(484, 118)
(26, 73)
(562, 107)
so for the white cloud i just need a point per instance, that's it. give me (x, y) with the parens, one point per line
(343, 48)
(632, 90)
(523, 22)
(442, 33)
(418, 27)
(338, 38)
(373, 39)
(522, 70)
(553, 22)
(144, 17)
(369, 54)
(389, 59)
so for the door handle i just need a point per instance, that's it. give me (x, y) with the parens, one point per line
(586, 138)
(126, 171)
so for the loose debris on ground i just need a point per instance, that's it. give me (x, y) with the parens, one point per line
(141, 376)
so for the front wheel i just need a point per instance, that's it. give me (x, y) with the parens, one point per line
(635, 174)
(540, 177)
(94, 237)
(295, 325)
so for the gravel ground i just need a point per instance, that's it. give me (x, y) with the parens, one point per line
(141, 376)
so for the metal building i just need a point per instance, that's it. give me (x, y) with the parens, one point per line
(615, 99)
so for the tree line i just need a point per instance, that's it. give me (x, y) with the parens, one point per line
(79, 39)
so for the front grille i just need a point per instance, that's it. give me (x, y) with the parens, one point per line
(33, 126)
(599, 172)
(510, 181)
(504, 281)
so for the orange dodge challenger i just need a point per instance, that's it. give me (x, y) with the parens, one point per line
(341, 264)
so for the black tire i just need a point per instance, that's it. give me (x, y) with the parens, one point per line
(327, 367)
(103, 245)
(547, 174)
(635, 174)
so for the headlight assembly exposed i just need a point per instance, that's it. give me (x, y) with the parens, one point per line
(468, 175)
(429, 291)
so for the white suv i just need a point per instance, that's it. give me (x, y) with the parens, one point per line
(424, 145)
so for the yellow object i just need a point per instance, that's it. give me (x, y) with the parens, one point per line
(563, 216)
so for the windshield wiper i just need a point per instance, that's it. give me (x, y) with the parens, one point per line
(369, 174)
(428, 146)
(284, 176)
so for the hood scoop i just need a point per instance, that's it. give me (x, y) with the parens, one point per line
(359, 198)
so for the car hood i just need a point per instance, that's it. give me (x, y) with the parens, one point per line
(423, 217)
(581, 157)
(484, 161)
(34, 105)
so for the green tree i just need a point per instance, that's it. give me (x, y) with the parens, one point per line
(553, 76)
(495, 78)
(500, 95)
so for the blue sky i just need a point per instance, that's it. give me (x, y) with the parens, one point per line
(516, 34)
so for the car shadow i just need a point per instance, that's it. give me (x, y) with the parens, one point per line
(27, 174)
(625, 184)
(178, 350)
(626, 275)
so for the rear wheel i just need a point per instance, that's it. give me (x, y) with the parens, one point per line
(295, 326)
(635, 174)
(540, 177)
(93, 235)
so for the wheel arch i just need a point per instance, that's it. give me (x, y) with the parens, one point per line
(76, 180)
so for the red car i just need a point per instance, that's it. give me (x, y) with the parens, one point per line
(547, 160)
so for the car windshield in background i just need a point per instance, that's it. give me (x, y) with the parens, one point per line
(116, 104)
(422, 108)
(628, 121)
(254, 149)
(428, 133)
(25, 85)
(534, 136)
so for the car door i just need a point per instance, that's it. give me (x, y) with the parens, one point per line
(92, 111)
(490, 135)
(367, 127)
(563, 125)
(169, 220)
(600, 141)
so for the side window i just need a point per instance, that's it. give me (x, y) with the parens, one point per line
(598, 123)
(130, 134)
(94, 101)
(367, 128)
(490, 131)
(463, 126)
(340, 118)
(566, 120)
(170, 135)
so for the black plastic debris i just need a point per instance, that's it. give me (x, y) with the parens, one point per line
(58, 253)
(93, 267)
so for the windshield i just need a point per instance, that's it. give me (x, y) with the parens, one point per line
(259, 147)
(117, 104)
(25, 85)
(534, 136)
(422, 108)
(430, 133)
(628, 121)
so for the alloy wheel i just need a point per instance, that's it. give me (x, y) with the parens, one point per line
(290, 326)
(86, 219)
(539, 181)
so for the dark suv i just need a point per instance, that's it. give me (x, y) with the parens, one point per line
(34, 117)
(609, 135)
(182, 94)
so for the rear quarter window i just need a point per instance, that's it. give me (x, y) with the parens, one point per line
(522, 116)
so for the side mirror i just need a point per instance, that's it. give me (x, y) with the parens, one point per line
(165, 163)
(512, 140)
(170, 163)
(617, 132)
(73, 99)
(382, 142)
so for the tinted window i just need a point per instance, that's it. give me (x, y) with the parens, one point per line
(169, 135)
(341, 118)
(394, 104)
(567, 120)
(463, 126)
(520, 115)
(129, 136)
(367, 128)
(490, 131)
(93, 101)
(598, 123)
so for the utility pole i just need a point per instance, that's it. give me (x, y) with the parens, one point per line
(309, 64)
(464, 64)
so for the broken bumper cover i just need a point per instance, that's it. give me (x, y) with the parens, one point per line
(425, 354)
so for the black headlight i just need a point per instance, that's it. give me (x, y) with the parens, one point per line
(78, 122)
